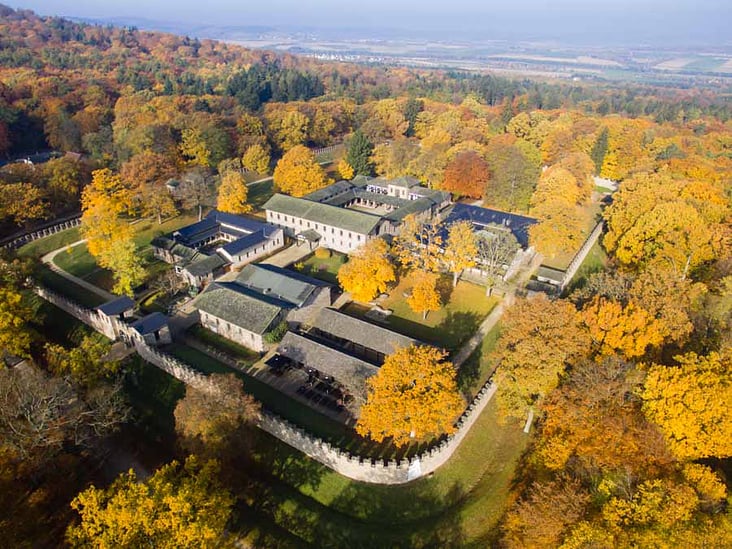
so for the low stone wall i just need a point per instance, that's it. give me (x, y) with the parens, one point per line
(379, 471)
(580, 256)
(344, 463)
(20, 240)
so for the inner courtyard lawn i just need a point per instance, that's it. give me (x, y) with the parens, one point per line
(465, 307)
(325, 269)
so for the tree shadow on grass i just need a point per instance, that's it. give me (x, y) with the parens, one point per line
(286, 463)
(457, 328)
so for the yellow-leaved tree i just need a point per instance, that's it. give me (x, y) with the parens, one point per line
(424, 297)
(690, 403)
(193, 147)
(297, 173)
(413, 397)
(178, 506)
(110, 238)
(368, 271)
(15, 334)
(345, 169)
(256, 159)
(461, 249)
(233, 194)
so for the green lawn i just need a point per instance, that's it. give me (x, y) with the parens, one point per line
(207, 337)
(78, 262)
(56, 325)
(293, 501)
(259, 193)
(458, 506)
(324, 269)
(42, 246)
(466, 307)
(479, 366)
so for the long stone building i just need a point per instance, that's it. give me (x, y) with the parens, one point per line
(346, 214)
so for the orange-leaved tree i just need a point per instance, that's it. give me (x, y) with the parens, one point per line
(628, 330)
(466, 175)
(413, 397)
(178, 506)
(368, 271)
(297, 173)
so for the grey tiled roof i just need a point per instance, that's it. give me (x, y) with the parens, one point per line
(117, 306)
(239, 306)
(280, 283)
(350, 220)
(361, 332)
(150, 323)
(205, 266)
(348, 370)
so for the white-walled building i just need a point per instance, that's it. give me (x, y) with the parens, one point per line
(347, 214)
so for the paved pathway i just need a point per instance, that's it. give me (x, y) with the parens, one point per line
(288, 256)
(48, 260)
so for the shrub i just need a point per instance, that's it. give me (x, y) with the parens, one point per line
(277, 333)
(322, 253)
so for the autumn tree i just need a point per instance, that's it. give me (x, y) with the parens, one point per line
(656, 219)
(178, 506)
(593, 422)
(555, 203)
(213, 423)
(418, 246)
(614, 328)
(466, 175)
(86, 363)
(196, 190)
(22, 202)
(396, 158)
(461, 249)
(109, 236)
(256, 159)
(424, 297)
(689, 403)
(358, 154)
(496, 250)
(345, 170)
(368, 271)
(539, 338)
(40, 415)
(297, 173)
(15, 314)
(413, 398)
(233, 194)
(545, 515)
(514, 169)
(194, 148)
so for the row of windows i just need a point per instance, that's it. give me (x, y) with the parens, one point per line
(315, 226)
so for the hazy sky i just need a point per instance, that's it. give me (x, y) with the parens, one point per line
(591, 21)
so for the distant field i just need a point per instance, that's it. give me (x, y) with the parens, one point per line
(701, 63)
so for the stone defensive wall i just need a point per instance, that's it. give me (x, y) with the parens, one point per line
(349, 465)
